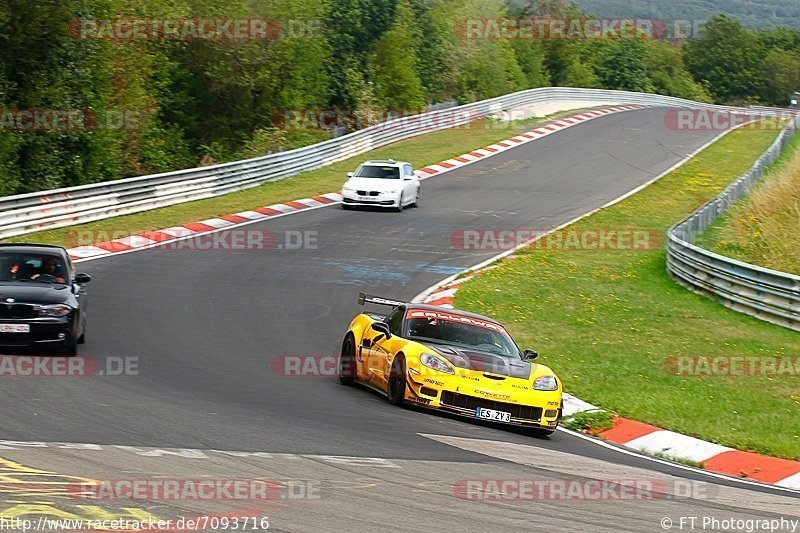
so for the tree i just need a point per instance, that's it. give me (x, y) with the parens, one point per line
(351, 28)
(45, 68)
(668, 75)
(726, 59)
(781, 73)
(479, 67)
(397, 84)
(624, 67)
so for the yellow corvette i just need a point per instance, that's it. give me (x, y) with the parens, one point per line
(451, 361)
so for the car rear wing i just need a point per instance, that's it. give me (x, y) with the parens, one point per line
(369, 299)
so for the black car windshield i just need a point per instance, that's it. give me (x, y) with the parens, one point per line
(375, 171)
(32, 268)
(478, 335)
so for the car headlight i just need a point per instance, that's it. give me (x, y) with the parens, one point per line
(348, 189)
(431, 361)
(57, 310)
(545, 383)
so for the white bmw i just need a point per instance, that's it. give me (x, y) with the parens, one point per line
(391, 184)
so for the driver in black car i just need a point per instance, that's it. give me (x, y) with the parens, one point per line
(51, 270)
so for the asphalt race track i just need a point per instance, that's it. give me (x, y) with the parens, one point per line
(207, 325)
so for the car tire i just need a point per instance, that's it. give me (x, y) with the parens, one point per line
(541, 433)
(345, 367)
(416, 200)
(82, 338)
(71, 347)
(347, 207)
(396, 387)
(400, 206)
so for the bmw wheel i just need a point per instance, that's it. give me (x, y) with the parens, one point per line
(70, 347)
(82, 338)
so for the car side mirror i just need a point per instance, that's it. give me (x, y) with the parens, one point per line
(81, 278)
(382, 327)
(530, 355)
(350, 174)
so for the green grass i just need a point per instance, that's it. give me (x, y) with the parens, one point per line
(679, 460)
(763, 228)
(608, 321)
(592, 422)
(419, 151)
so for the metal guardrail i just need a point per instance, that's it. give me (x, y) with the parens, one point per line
(27, 213)
(763, 293)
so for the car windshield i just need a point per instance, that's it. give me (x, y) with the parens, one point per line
(376, 171)
(32, 268)
(439, 330)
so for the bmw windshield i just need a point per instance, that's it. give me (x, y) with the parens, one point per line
(32, 268)
(376, 171)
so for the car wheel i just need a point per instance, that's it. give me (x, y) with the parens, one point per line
(416, 200)
(71, 347)
(347, 207)
(347, 361)
(82, 338)
(396, 392)
(540, 432)
(400, 206)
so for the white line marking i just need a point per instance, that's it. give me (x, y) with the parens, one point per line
(676, 445)
(679, 466)
(216, 223)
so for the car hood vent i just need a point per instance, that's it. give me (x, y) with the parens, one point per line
(485, 362)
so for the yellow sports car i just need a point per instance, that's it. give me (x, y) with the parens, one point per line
(452, 361)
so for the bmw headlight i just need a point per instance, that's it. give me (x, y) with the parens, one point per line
(56, 311)
(545, 383)
(431, 361)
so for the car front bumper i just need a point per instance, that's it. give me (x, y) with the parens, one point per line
(45, 333)
(539, 409)
(382, 200)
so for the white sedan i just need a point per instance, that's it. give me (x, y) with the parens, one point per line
(391, 184)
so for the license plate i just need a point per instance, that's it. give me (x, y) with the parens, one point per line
(15, 328)
(491, 414)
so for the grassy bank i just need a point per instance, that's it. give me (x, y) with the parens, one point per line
(611, 322)
(764, 227)
(420, 151)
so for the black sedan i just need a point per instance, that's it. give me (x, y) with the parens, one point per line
(42, 300)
